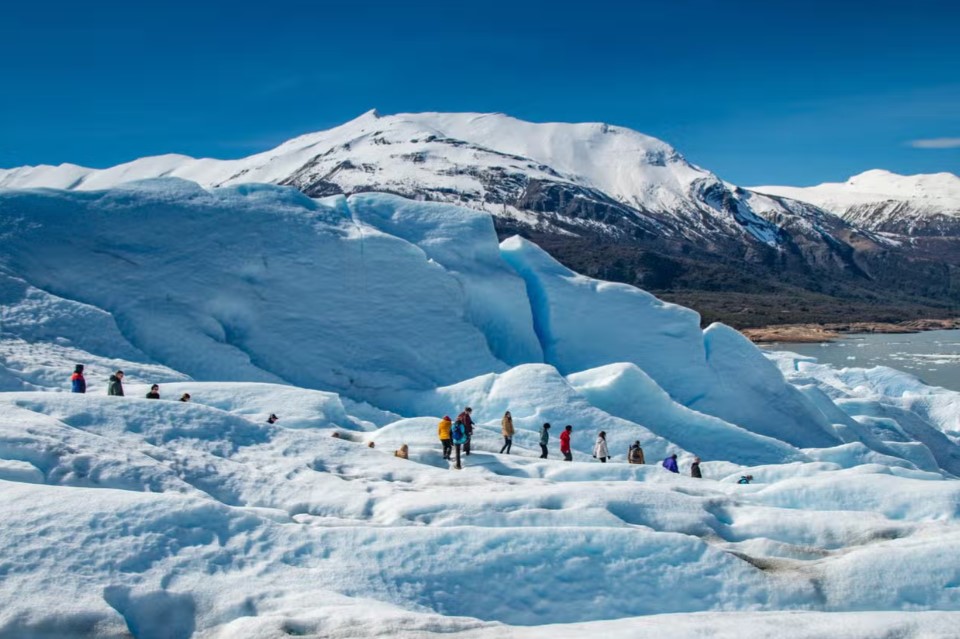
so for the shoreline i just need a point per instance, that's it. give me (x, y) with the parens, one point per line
(818, 333)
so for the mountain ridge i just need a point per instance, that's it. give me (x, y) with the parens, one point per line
(606, 200)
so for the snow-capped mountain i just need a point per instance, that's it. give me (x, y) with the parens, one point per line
(580, 178)
(912, 205)
(605, 200)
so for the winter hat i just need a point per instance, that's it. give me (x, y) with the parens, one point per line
(446, 417)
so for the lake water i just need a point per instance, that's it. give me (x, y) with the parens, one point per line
(933, 356)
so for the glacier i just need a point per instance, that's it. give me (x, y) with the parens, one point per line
(370, 317)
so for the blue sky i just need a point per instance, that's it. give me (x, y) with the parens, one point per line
(759, 92)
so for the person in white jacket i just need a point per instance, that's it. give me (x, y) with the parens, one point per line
(600, 448)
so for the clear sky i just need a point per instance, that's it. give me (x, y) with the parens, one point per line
(760, 92)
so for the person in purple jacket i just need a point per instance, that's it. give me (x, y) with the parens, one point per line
(670, 463)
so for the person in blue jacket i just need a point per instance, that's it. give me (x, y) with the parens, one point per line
(77, 383)
(745, 479)
(670, 463)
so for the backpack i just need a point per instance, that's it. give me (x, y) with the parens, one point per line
(459, 433)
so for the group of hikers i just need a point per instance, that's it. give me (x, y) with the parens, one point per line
(78, 384)
(455, 436)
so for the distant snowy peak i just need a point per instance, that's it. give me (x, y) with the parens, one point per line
(883, 201)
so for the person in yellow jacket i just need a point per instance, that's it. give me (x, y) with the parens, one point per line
(506, 427)
(443, 430)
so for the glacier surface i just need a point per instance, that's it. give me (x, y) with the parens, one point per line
(371, 317)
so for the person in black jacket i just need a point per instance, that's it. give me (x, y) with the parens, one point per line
(695, 468)
(115, 386)
(154, 392)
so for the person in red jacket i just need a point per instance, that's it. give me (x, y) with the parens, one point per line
(467, 422)
(565, 443)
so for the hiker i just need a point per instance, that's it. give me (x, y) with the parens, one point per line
(403, 452)
(467, 421)
(506, 427)
(185, 397)
(371, 444)
(746, 479)
(154, 392)
(544, 439)
(695, 469)
(600, 448)
(272, 419)
(565, 443)
(670, 463)
(635, 454)
(443, 430)
(115, 386)
(77, 383)
(459, 435)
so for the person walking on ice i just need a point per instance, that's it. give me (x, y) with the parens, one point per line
(695, 469)
(635, 454)
(77, 383)
(565, 443)
(544, 439)
(670, 463)
(460, 437)
(506, 427)
(600, 448)
(467, 420)
(446, 439)
(115, 385)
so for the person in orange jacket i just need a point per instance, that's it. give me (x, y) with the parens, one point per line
(443, 430)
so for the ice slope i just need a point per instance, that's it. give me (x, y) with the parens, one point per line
(160, 518)
(264, 284)
(717, 372)
(392, 302)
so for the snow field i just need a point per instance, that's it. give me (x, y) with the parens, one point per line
(205, 509)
